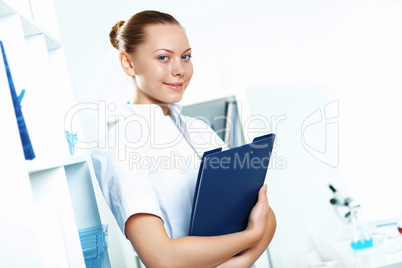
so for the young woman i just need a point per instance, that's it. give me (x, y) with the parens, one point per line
(147, 165)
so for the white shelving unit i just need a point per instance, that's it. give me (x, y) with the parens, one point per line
(43, 202)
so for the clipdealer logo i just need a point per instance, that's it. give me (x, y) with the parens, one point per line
(104, 113)
(328, 120)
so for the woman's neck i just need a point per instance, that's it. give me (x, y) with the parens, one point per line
(164, 107)
(141, 98)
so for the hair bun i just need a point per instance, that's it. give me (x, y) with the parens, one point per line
(114, 33)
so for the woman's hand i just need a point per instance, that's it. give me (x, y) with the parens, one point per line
(257, 221)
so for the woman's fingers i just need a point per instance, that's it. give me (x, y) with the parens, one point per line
(263, 199)
(259, 214)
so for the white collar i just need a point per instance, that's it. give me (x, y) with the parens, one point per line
(175, 110)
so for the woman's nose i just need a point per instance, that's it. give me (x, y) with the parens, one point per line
(178, 68)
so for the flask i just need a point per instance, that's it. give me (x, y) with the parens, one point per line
(361, 237)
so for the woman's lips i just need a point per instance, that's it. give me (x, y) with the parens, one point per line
(175, 86)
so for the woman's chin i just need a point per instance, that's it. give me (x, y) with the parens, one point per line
(176, 98)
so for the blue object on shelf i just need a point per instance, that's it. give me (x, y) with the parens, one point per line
(25, 140)
(21, 96)
(362, 244)
(94, 244)
(72, 140)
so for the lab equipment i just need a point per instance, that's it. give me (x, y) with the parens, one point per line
(399, 222)
(342, 204)
(361, 237)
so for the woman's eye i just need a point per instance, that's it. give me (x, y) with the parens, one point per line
(163, 58)
(186, 57)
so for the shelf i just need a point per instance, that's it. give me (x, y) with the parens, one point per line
(30, 27)
(37, 165)
(55, 221)
(55, 189)
(6, 10)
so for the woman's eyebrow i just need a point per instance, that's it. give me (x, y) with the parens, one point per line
(187, 50)
(170, 51)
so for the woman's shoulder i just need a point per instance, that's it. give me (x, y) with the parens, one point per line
(125, 126)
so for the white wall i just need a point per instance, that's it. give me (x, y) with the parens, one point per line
(288, 58)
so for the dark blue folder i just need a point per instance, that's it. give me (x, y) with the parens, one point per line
(227, 187)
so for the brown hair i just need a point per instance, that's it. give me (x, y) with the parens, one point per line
(126, 36)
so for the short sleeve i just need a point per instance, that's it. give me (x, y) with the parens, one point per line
(126, 188)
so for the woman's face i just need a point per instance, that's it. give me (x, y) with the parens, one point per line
(162, 65)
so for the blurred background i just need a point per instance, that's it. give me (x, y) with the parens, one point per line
(323, 75)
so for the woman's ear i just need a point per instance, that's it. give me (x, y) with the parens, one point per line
(126, 63)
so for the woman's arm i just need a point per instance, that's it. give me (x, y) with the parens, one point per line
(250, 255)
(149, 238)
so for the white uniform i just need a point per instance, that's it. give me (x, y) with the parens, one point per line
(148, 163)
